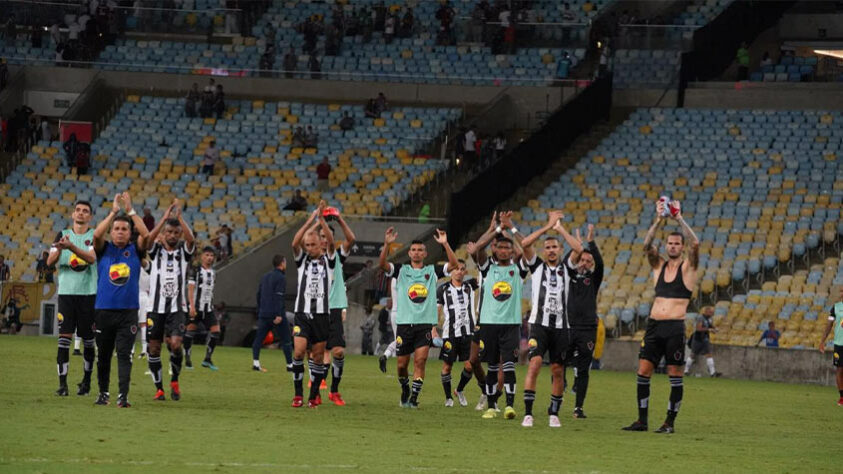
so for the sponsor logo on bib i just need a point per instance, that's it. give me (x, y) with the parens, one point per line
(417, 293)
(501, 291)
(448, 346)
(119, 274)
(399, 341)
(60, 317)
(533, 343)
(76, 263)
(296, 330)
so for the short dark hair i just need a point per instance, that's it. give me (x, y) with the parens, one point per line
(501, 239)
(84, 203)
(416, 242)
(277, 260)
(208, 248)
(551, 237)
(172, 222)
(125, 219)
(677, 234)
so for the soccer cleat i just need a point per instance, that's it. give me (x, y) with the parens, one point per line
(461, 398)
(84, 388)
(313, 403)
(175, 393)
(297, 402)
(636, 426)
(527, 422)
(289, 367)
(159, 395)
(481, 403)
(337, 399)
(497, 410)
(258, 369)
(382, 363)
(62, 391)
(449, 402)
(188, 364)
(489, 414)
(716, 375)
(578, 413)
(665, 429)
(553, 421)
(102, 399)
(840, 402)
(404, 404)
(210, 365)
(142, 355)
(123, 401)
(413, 405)
(77, 352)
(318, 400)
(509, 413)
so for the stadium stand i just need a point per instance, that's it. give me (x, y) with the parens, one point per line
(644, 67)
(700, 12)
(789, 69)
(155, 152)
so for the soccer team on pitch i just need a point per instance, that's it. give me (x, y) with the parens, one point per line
(102, 303)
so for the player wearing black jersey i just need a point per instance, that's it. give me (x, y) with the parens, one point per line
(200, 300)
(455, 299)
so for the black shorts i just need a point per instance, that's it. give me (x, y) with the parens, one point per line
(456, 348)
(12, 322)
(700, 347)
(551, 340)
(206, 318)
(664, 339)
(336, 332)
(313, 327)
(412, 336)
(500, 342)
(76, 314)
(161, 325)
(838, 355)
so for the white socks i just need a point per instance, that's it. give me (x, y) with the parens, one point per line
(709, 361)
(390, 350)
(689, 361)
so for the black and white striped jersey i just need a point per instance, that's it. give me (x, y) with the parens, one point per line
(203, 288)
(550, 294)
(457, 303)
(315, 276)
(168, 278)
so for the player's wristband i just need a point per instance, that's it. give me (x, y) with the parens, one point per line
(498, 229)
(513, 230)
(131, 213)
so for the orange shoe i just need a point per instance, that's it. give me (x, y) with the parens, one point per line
(175, 393)
(337, 399)
(323, 385)
(313, 403)
(297, 402)
(318, 400)
(159, 395)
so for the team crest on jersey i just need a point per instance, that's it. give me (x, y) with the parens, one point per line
(677, 355)
(590, 345)
(134, 329)
(417, 293)
(836, 356)
(398, 341)
(119, 274)
(448, 346)
(60, 317)
(533, 343)
(126, 254)
(427, 276)
(587, 281)
(511, 273)
(501, 291)
(76, 263)
(296, 330)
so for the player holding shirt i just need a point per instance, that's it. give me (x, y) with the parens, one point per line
(415, 289)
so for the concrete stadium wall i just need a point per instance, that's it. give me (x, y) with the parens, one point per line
(765, 95)
(644, 98)
(750, 363)
(803, 26)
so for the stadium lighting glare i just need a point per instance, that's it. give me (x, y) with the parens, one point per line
(835, 53)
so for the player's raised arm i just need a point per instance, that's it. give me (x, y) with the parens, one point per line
(187, 233)
(693, 258)
(389, 237)
(573, 242)
(651, 250)
(527, 242)
(105, 224)
(329, 237)
(156, 231)
(442, 238)
(479, 252)
(140, 227)
(297, 239)
(350, 238)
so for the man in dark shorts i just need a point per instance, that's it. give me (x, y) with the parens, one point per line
(700, 343)
(200, 300)
(674, 280)
(455, 300)
(73, 254)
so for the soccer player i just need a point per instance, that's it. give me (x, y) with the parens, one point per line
(549, 325)
(414, 293)
(701, 343)
(337, 302)
(500, 311)
(270, 299)
(73, 251)
(455, 299)
(835, 320)
(315, 277)
(200, 297)
(117, 299)
(169, 260)
(585, 272)
(391, 350)
(674, 280)
(143, 302)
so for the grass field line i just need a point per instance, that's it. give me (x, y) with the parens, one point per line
(129, 462)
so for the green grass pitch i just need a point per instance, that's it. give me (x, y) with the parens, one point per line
(237, 420)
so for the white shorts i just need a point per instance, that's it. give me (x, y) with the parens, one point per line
(144, 307)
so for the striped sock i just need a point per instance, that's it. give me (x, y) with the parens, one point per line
(416, 390)
(336, 374)
(155, 368)
(509, 382)
(446, 384)
(643, 398)
(529, 398)
(677, 389)
(555, 404)
(465, 377)
(63, 359)
(298, 376)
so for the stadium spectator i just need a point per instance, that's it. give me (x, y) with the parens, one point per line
(46, 131)
(83, 159)
(346, 122)
(210, 158)
(5, 273)
(424, 213)
(771, 336)
(766, 60)
(742, 57)
(315, 66)
(478, 22)
(226, 241)
(499, 146)
(190, 101)
(270, 299)
(389, 29)
(835, 325)
(219, 101)
(323, 172)
(298, 139)
(11, 29)
(4, 74)
(367, 328)
(311, 138)
(469, 151)
(148, 219)
(71, 149)
(407, 24)
(297, 203)
(269, 33)
(290, 62)
(384, 326)
(267, 61)
(371, 109)
(381, 105)
(563, 66)
(206, 106)
(45, 272)
(11, 320)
